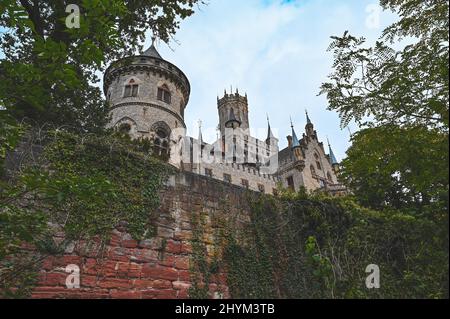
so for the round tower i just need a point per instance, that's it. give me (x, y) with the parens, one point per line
(147, 96)
(233, 109)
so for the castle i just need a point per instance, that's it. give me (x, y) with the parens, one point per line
(148, 97)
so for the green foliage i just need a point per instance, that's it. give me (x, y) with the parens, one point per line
(100, 181)
(82, 186)
(249, 257)
(10, 133)
(202, 266)
(49, 71)
(401, 100)
(295, 247)
(407, 167)
(395, 87)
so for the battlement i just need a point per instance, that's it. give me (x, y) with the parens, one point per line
(233, 98)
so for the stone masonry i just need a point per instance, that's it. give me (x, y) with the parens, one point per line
(158, 268)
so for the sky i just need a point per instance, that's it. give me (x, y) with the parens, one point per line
(273, 50)
(276, 52)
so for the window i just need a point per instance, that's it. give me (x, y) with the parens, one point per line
(164, 94)
(290, 182)
(227, 178)
(131, 89)
(313, 170)
(316, 156)
(245, 183)
(161, 143)
(261, 188)
(208, 172)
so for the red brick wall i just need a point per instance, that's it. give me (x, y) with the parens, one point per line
(156, 268)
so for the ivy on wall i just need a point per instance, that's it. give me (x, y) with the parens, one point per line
(82, 186)
(319, 247)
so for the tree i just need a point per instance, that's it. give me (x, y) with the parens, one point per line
(401, 100)
(404, 87)
(49, 70)
(391, 166)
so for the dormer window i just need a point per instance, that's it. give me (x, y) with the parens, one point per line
(131, 89)
(164, 94)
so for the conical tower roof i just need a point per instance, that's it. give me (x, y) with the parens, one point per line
(295, 141)
(308, 120)
(269, 130)
(152, 51)
(332, 156)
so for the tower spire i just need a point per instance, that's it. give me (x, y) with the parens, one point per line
(308, 120)
(269, 130)
(152, 51)
(333, 159)
(295, 141)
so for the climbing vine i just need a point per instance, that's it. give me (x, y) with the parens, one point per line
(300, 246)
(82, 186)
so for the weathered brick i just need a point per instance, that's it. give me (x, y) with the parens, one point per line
(186, 248)
(181, 285)
(173, 247)
(117, 294)
(182, 235)
(160, 294)
(159, 272)
(143, 284)
(167, 260)
(54, 279)
(47, 264)
(184, 275)
(88, 281)
(182, 262)
(130, 243)
(115, 283)
(162, 284)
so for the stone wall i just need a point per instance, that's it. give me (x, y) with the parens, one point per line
(158, 268)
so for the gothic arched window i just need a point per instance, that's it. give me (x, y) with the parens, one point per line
(161, 145)
(316, 156)
(164, 94)
(131, 89)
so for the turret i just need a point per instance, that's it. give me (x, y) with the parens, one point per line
(295, 144)
(147, 97)
(309, 128)
(271, 140)
(233, 111)
(333, 161)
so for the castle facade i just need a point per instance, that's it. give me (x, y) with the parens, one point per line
(148, 97)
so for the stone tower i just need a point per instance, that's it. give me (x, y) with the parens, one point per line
(147, 96)
(233, 107)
